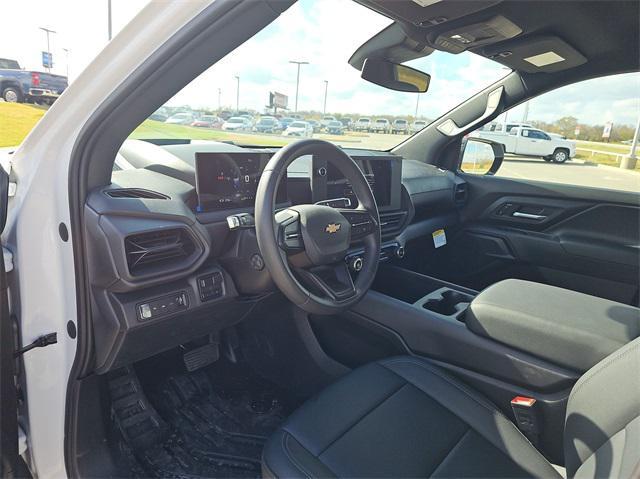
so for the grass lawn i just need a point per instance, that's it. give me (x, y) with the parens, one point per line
(17, 120)
(601, 146)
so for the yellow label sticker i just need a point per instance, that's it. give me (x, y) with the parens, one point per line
(439, 238)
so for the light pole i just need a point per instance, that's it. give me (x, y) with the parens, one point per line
(525, 113)
(326, 88)
(219, 96)
(629, 162)
(298, 79)
(109, 24)
(417, 103)
(48, 31)
(67, 51)
(237, 94)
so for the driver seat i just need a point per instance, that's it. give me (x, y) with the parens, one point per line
(405, 417)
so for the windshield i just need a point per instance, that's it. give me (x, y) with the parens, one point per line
(297, 124)
(263, 72)
(235, 120)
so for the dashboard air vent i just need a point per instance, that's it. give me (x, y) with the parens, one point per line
(154, 251)
(391, 222)
(136, 193)
(460, 194)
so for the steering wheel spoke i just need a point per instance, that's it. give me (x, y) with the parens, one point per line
(289, 233)
(361, 221)
(334, 280)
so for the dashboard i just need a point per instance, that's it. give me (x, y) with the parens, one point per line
(166, 267)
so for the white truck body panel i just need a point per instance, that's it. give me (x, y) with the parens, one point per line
(528, 141)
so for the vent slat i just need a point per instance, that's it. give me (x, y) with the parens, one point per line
(136, 193)
(391, 222)
(147, 251)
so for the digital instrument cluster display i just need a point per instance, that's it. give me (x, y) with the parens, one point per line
(229, 180)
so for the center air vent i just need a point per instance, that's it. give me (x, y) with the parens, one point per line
(391, 222)
(136, 193)
(156, 251)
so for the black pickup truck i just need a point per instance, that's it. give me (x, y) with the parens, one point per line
(18, 85)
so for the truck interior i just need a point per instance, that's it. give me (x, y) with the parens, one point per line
(310, 324)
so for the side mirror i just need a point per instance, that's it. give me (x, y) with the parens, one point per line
(395, 76)
(479, 156)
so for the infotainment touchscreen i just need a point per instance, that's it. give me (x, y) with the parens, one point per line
(229, 180)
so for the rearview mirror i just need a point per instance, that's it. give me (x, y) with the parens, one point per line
(395, 76)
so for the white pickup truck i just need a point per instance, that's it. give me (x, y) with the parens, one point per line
(528, 141)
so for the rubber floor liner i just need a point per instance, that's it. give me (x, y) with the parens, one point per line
(218, 419)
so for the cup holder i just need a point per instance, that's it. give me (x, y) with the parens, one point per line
(447, 302)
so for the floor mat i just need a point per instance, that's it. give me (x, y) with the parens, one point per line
(209, 423)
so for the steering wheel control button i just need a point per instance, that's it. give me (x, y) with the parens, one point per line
(164, 306)
(361, 223)
(211, 286)
(257, 262)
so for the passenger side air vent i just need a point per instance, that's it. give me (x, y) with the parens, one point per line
(391, 222)
(156, 251)
(136, 193)
(460, 194)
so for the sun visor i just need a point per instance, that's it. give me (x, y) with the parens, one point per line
(535, 55)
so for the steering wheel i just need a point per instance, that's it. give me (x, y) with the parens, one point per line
(304, 246)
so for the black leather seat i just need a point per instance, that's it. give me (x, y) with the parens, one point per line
(404, 417)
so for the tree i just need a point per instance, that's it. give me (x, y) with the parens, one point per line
(567, 125)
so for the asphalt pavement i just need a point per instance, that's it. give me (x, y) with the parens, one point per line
(573, 172)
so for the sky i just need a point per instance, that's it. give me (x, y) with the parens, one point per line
(324, 33)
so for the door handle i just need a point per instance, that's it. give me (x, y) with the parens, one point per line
(528, 216)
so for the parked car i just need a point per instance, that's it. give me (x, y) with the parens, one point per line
(363, 124)
(380, 125)
(529, 141)
(400, 126)
(206, 121)
(335, 128)
(225, 115)
(286, 121)
(417, 125)
(267, 124)
(250, 120)
(18, 85)
(347, 123)
(303, 129)
(236, 123)
(315, 124)
(326, 120)
(183, 118)
(159, 115)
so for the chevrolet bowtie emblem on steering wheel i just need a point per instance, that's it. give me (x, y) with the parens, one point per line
(333, 228)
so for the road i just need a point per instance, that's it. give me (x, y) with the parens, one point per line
(574, 172)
